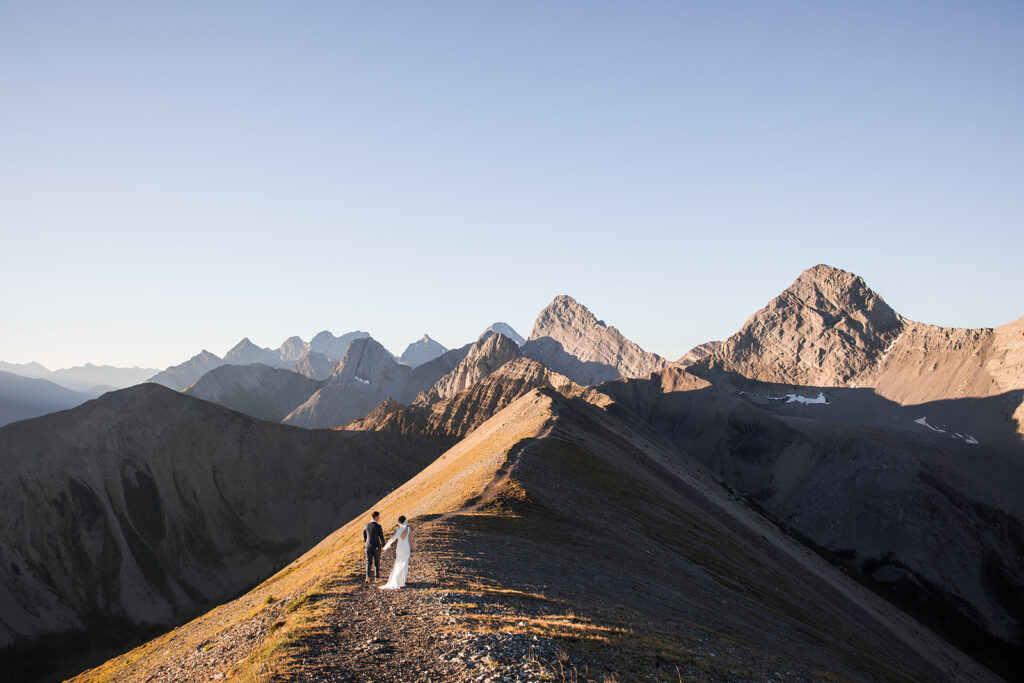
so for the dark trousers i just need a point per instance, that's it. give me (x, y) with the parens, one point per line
(372, 558)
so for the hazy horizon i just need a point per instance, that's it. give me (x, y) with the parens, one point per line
(179, 177)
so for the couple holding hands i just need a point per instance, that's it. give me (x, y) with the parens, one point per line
(373, 541)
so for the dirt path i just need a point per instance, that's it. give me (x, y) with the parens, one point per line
(419, 633)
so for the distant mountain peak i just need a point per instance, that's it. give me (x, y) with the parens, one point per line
(421, 351)
(365, 362)
(334, 347)
(570, 340)
(505, 329)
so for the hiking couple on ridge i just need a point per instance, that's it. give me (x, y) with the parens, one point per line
(373, 542)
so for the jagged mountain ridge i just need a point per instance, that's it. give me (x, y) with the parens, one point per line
(145, 506)
(82, 377)
(733, 596)
(294, 353)
(485, 356)
(457, 415)
(568, 339)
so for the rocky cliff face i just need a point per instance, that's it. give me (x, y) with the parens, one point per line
(485, 356)
(146, 506)
(366, 376)
(824, 330)
(180, 377)
(421, 351)
(568, 339)
(293, 350)
(455, 416)
(257, 390)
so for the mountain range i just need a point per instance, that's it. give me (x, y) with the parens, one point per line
(829, 492)
(89, 378)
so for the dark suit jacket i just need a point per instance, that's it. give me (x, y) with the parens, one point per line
(373, 536)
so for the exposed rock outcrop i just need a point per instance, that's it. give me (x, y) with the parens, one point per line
(367, 375)
(568, 339)
(457, 415)
(825, 329)
(293, 349)
(485, 356)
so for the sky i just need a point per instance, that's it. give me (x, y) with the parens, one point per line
(177, 176)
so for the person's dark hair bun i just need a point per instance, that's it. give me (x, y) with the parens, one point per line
(401, 519)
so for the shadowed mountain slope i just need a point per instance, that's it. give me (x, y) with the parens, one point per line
(556, 537)
(257, 390)
(365, 376)
(923, 499)
(145, 506)
(22, 398)
(568, 339)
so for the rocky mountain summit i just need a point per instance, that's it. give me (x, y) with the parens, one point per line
(890, 448)
(825, 329)
(568, 339)
(421, 351)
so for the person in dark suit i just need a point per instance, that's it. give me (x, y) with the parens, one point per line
(373, 541)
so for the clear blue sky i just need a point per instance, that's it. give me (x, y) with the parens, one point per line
(178, 175)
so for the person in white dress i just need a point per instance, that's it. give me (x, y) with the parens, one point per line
(402, 538)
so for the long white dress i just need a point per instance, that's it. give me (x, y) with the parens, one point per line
(401, 569)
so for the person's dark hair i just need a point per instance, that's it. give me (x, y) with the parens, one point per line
(401, 519)
(376, 514)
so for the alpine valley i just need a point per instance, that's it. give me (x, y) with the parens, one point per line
(831, 493)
